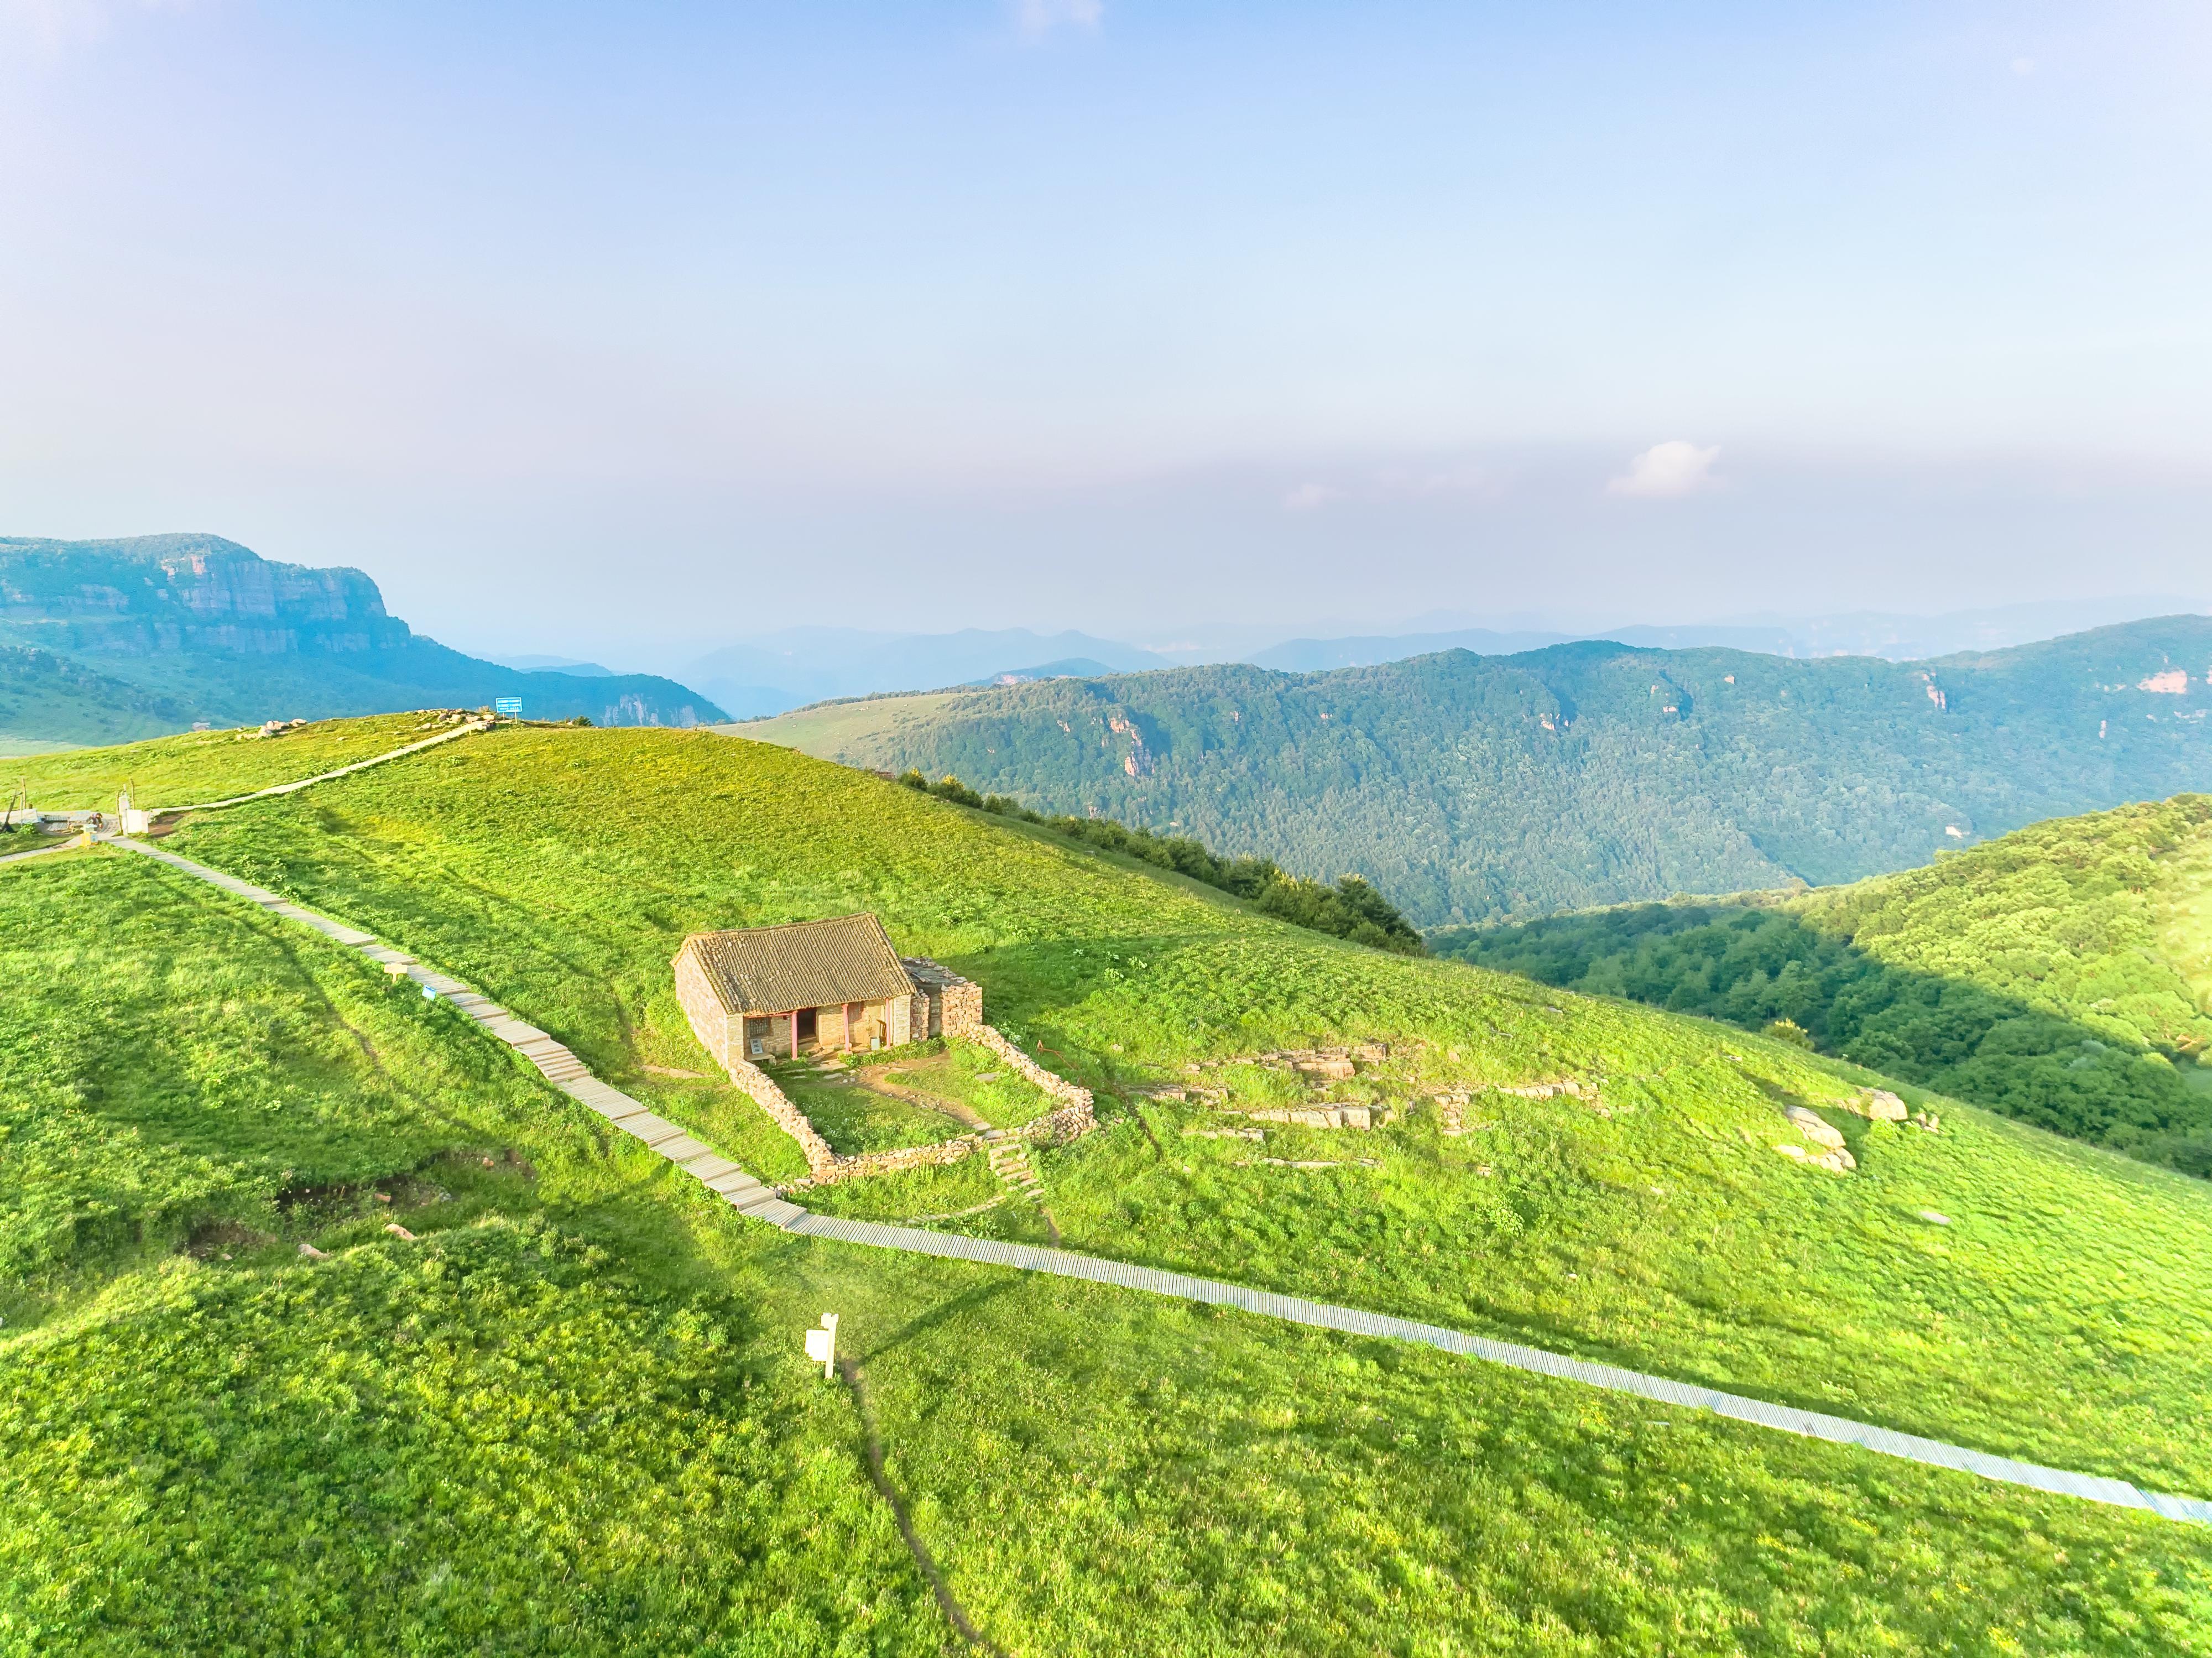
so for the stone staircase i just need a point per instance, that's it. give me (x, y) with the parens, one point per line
(1010, 1161)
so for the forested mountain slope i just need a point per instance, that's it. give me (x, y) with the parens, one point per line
(2061, 975)
(394, 1439)
(205, 630)
(1471, 788)
(46, 698)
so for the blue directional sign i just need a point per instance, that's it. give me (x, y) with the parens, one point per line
(507, 705)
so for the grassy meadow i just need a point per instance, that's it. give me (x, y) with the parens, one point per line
(573, 1417)
(210, 765)
(1744, 1269)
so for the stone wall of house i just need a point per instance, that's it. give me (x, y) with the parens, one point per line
(954, 1004)
(703, 1008)
(960, 1012)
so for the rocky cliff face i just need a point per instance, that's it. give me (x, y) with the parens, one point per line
(211, 631)
(155, 595)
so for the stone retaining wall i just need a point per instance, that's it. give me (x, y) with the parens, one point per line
(890, 1162)
(722, 1034)
(786, 1115)
(1075, 1098)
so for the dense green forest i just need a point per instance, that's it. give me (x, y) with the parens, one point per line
(1472, 788)
(2059, 975)
(1351, 908)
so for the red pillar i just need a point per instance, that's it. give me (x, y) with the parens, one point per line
(795, 1033)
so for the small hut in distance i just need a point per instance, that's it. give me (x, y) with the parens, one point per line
(834, 985)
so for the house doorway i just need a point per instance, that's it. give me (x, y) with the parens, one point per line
(808, 1025)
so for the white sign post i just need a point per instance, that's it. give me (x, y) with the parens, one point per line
(822, 1343)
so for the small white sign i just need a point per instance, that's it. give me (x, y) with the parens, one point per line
(822, 1343)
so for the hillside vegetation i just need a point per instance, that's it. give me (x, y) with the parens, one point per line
(2059, 975)
(1350, 908)
(47, 700)
(209, 765)
(573, 1417)
(560, 870)
(1474, 789)
(161, 632)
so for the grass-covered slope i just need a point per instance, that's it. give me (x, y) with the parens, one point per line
(501, 1436)
(210, 765)
(1474, 788)
(561, 869)
(572, 1416)
(2060, 974)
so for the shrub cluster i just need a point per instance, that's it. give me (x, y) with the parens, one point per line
(1351, 909)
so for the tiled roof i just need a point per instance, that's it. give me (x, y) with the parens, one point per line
(773, 970)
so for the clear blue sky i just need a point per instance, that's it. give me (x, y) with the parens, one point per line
(582, 326)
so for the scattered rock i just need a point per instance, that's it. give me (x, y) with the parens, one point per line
(1317, 1116)
(990, 1076)
(1796, 1151)
(1934, 1217)
(1815, 1130)
(311, 1253)
(1227, 1133)
(399, 1231)
(1882, 1106)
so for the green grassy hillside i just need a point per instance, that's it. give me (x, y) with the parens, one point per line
(2060, 974)
(502, 1436)
(573, 1417)
(210, 765)
(561, 869)
(1474, 789)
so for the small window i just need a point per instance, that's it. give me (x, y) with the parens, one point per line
(757, 1047)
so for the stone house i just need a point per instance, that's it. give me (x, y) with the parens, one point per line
(834, 985)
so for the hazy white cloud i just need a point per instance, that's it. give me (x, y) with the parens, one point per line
(2023, 66)
(1035, 18)
(1307, 496)
(1676, 467)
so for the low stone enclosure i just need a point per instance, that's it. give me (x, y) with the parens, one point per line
(753, 993)
(1817, 1144)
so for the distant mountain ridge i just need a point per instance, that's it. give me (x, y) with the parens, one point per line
(799, 665)
(1472, 788)
(205, 629)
